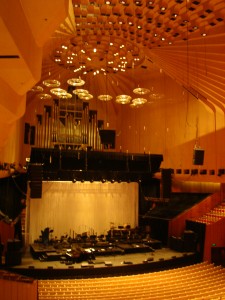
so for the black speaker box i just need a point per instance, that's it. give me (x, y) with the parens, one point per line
(32, 135)
(108, 137)
(13, 258)
(13, 245)
(166, 182)
(35, 176)
(26, 133)
(36, 189)
(198, 156)
(35, 172)
(189, 235)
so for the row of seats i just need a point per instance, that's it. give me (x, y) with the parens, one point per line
(199, 281)
(213, 215)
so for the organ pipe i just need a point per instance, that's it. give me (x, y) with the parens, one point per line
(67, 125)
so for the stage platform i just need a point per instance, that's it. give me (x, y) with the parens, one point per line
(89, 250)
(104, 265)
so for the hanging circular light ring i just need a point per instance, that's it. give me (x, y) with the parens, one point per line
(139, 101)
(76, 81)
(43, 96)
(37, 88)
(141, 91)
(80, 91)
(66, 96)
(156, 96)
(53, 83)
(132, 105)
(123, 99)
(105, 97)
(58, 92)
(85, 97)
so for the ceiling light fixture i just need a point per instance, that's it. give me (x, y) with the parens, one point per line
(105, 97)
(66, 96)
(76, 81)
(139, 101)
(58, 92)
(141, 91)
(80, 91)
(53, 83)
(114, 54)
(85, 96)
(44, 96)
(123, 99)
(156, 96)
(37, 88)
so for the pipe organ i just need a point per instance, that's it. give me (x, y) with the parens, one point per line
(68, 123)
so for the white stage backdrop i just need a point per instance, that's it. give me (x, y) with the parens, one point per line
(75, 208)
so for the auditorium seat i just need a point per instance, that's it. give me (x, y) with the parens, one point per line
(214, 215)
(199, 281)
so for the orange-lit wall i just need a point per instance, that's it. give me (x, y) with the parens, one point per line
(170, 124)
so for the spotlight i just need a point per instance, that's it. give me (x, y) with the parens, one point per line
(74, 180)
(112, 181)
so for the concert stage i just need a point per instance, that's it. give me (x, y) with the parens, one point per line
(89, 251)
(42, 262)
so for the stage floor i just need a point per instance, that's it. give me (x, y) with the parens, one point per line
(101, 261)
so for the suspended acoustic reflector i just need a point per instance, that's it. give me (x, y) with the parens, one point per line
(123, 99)
(76, 81)
(53, 83)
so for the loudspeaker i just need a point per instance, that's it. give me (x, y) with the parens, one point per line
(166, 182)
(35, 172)
(13, 245)
(108, 137)
(32, 135)
(189, 235)
(13, 258)
(35, 176)
(198, 157)
(26, 133)
(35, 189)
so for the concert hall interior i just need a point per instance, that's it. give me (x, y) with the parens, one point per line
(112, 172)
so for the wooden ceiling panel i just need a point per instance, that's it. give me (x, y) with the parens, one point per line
(185, 38)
